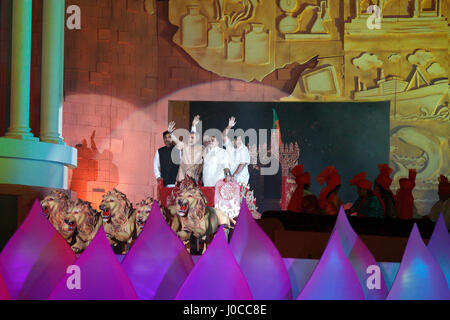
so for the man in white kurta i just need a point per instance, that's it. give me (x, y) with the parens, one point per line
(239, 158)
(238, 155)
(215, 164)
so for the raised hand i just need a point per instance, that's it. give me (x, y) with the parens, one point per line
(196, 120)
(171, 127)
(231, 122)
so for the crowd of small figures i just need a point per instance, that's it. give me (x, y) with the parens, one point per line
(78, 222)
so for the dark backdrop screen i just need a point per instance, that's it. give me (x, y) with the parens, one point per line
(354, 137)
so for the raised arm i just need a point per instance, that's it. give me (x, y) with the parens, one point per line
(195, 122)
(171, 129)
(231, 124)
(93, 145)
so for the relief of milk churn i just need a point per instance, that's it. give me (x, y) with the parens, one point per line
(193, 28)
(215, 36)
(257, 49)
(234, 48)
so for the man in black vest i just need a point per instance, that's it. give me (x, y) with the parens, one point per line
(164, 168)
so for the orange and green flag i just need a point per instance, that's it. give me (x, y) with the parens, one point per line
(276, 125)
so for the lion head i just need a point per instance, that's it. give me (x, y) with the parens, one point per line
(56, 201)
(115, 207)
(85, 218)
(67, 225)
(188, 199)
(143, 210)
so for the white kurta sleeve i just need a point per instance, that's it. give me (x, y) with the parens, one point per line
(156, 165)
(244, 155)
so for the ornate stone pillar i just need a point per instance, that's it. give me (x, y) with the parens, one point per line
(52, 71)
(25, 160)
(20, 71)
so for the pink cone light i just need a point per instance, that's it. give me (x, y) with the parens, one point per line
(157, 263)
(359, 256)
(101, 275)
(216, 276)
(439, 246)
(259, 259)
(419, 277)
(35, 258)
(334, 277)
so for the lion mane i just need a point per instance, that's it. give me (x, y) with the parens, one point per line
(118, 219)
(87, 222)
(185, 189)
(143, 210)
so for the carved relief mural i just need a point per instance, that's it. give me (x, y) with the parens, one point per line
(403, 60)
(249, 39)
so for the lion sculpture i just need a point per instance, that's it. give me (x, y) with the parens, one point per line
(143, 210)
(55, 207)
(119, 220)
(86, 222)
(76, 221)
(192, 219)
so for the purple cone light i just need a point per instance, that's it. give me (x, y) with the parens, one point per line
(100, 275)
(259, 260)
(359, 256)
(157, 263)
(419, 277)
(216, 276)
(35, 258)
(334, 277)
(4, 294)
(439, 246)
